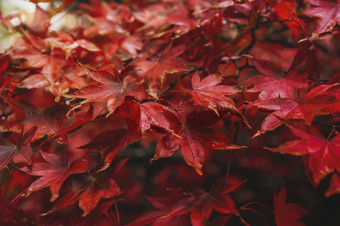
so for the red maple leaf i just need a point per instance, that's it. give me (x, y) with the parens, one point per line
(132, 44)
(109, 88)
(144, 116)
(22, 152)
(284, 10)
(49, 58)
(334, 187)
(328, 14)
(323, 154)
(95, 191)
(209, 94)
(154, 69)
(156, 114)
(320, 100)
(287, 213)
(39, 23)
(50, 119)
(68, 44)
(88, 193)
(110, 144)
(34, 58)
(218, 199)
(101, 215)
(193, 139)
(53, 172)
(106, 18)
(306, 51)
(198, 203)
(88, 190)
(273, 83)
(7, 152)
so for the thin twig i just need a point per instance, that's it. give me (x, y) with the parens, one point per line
(256, 203)
(15, 200)
(173, 83)
(258, 213)
(117, 212)
(251, 44)
(230, 153)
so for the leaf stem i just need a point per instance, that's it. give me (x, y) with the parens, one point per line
(117, 212)
(15, 200)
(256, 203)
(258, 213)
(230, 155)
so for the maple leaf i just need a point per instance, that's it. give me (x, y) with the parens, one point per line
(143, 116)
(131, 112)
(27, 116)
(334, 187)
(52, 68)
(50, 62)
(182, 18)
(274, 83)
(328, 14)
(216, 199)
(287, 213)
(51, 73)
(52, 121)
(154, 19)
(39, 23)
(306, 51)
(198, 203)
(22, 152)
(110, 143)
(109, 88)
(106, 18)
(323, 154)
(68, 44)
(154, 69)
(284, 10)
(94, 192)
(78, 120)
(209, 94)
(320, 100)
(89, 190)
(53, 172)
(165, 206)
(193, 140)
(101, 215)
(282, 107)
(132, 44)
(7, 151)
(73, 77)
(50, 55)
(34, 58)
(88, 194)
(34, 81)
(156, 114)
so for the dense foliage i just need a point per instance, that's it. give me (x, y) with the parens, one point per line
(198, 107)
